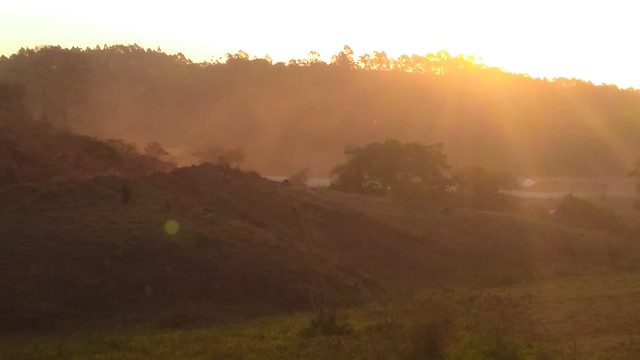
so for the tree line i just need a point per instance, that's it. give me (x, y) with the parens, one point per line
(285, 116)
(419, 172)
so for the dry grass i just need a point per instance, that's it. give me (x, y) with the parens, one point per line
(76, 257)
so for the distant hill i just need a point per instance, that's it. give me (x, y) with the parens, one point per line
(73, 251)
(302, 114)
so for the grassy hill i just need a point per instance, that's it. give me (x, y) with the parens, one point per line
(577, 317)
(247, 245)
(109, 253)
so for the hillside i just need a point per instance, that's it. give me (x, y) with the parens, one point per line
(213, 261)
(303, 114)
(36, 151)
(74, 252)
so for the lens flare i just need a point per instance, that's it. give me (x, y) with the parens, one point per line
(171, 227)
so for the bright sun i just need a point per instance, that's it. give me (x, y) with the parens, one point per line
(543, 38)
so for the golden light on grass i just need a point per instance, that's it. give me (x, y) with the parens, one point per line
(171, 227)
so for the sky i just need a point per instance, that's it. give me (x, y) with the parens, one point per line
(590, 40)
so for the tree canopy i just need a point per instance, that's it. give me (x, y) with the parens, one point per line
(404, 170)
(303, 112)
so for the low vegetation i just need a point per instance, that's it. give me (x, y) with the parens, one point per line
(537, 320)
(109, 251)
(582, 213)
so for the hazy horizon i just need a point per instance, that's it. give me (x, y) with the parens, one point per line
(586, 41)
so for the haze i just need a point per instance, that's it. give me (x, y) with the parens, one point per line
(585, 40)
(319, 180)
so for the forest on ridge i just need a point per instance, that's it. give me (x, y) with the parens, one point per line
(303, 114)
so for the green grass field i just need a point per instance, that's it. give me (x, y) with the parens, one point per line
(592, 317)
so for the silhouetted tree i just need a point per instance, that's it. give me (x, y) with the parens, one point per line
(241, 55)
(220, 156)
(123, 147)
(313, 59)
(156, 150)
(378, 61)
(344, 59)
(208, 154)
(286, 114)
(61, 76)
(232, 157)
(404, 170)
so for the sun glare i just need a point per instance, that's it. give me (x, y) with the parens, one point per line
(546, 38)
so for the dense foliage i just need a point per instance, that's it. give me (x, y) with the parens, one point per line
(288, 116)
(409, 170)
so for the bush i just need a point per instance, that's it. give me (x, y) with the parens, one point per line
(326, 320)
(582, 213)
(471, 326)
(326, 323)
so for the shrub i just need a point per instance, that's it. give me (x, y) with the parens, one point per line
(326, 320)
(583, 213)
